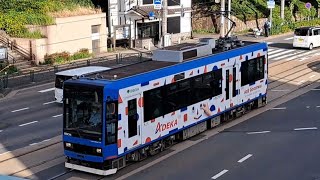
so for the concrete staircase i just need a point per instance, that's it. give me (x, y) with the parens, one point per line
(20, 62)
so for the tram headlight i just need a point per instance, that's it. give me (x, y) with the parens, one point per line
(69, 145)
(99, 150)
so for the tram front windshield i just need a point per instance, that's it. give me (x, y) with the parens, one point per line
(83, 111)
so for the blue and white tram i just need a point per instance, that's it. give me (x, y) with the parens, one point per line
(131, 112)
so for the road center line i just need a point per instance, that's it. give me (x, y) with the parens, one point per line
(259, 132)
(46, 90)
(49, 102)
(279, 108)
(219, 174)
(318, 106)
(1, 131)
(57, 115)
(20, 109)
(245, 158)
(309, 128)
(28, 123)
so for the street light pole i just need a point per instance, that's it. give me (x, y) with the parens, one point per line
(222, 29)
(229, 15)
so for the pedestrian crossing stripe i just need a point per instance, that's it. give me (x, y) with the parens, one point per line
(275, 54)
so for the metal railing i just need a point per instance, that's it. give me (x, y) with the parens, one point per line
(5, 39)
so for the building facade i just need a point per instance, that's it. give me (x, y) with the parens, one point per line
(137, 23)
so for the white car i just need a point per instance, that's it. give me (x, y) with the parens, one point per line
(306, 37)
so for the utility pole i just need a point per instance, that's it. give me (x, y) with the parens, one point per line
(164, 21)
(282, 9)
(223, 3)
(229, 16)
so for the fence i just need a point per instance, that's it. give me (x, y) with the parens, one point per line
(47, 73)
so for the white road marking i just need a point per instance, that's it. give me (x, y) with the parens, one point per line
(299, 55)
(28, 123)
(219, 174)
(46, 90)
(301, 82)
(46, 140)
(20, 109)
(1, 130)
(270, 43)
(312, 76)
(279, 108)
(318, 106)
(307, 107)
(270, 49)
(33, 144)
(310, 128)
(49, 102)
(259, 132)
(5, 153)
(57, 115)
(278, 54)
(288, 38)
(280, 90)
(278, 50)
(315, 89)
(245, 158)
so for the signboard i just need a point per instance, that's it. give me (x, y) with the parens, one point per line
(3, 53)
(157, 4)
(271, 4)
(308, 5)
(151, 15)
(122, 32)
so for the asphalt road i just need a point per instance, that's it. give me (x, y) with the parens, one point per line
(29, 117)
(271, 145)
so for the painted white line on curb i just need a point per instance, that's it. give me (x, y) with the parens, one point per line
(28, 123)
(309, 128)
(280, 90)
(46, 90)
(57, 115)
(22, 109)
(219, 174)
(279, 108)
(245, 158)
(49, 102)
(5, 153)
(259, 132)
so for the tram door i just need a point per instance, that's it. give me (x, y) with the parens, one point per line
(231, 86)
(133, 112)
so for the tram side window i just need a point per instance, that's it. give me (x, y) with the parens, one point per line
(111, 122)
(153, 104)
(252, 70)
(177, 96)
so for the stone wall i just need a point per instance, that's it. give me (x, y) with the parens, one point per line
(209, 23)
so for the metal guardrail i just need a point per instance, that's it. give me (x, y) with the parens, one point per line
(47, 73)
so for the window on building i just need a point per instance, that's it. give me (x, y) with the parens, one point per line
(173, 2)
(147, 2)
(173, 25)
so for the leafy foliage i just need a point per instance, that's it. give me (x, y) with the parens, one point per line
(64, 57)
(15, 14)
